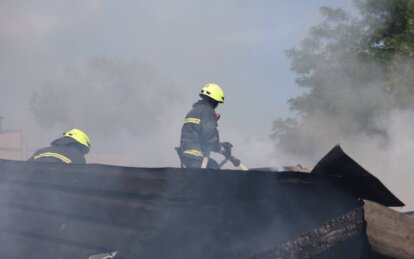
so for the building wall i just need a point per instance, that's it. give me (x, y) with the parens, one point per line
(11, 146)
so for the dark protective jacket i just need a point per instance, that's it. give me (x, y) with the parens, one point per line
(199, 134)
(62, 150)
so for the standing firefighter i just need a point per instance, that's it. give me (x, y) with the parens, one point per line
(71, 148)
(199, 134)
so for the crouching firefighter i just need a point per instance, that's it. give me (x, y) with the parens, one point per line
(71, 148)
(199, 134)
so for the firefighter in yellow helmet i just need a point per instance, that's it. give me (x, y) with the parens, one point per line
(199, 134)
(71, 148)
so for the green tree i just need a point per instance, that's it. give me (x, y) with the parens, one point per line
(355, 71)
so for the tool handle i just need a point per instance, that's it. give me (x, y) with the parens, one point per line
(205, 162)
(243, 167)
(236, 162)
(223, 162)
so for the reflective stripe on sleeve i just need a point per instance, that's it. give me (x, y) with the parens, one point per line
(194, 152)
(192, 120)
(55, 155)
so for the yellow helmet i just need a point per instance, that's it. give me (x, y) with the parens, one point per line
(213, 91)
(79, 136)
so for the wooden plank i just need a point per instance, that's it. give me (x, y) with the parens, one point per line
(61, 218)
(71, 232)
(162, 212)
(389, 232)
(70, 218)
(317, 241)
(146, 183)
(14, 245)
(92, 177)
(79, 204)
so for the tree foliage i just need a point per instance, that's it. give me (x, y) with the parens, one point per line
(355, 71)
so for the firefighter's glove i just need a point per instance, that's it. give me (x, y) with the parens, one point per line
(225, 149)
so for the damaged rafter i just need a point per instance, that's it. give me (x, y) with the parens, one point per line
(318, 240)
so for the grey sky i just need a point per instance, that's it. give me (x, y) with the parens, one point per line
(238, 44)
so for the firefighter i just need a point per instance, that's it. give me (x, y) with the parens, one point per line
(199, 134)
(69, 149)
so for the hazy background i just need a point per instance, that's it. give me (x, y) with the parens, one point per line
(126, 72)
(73, 62)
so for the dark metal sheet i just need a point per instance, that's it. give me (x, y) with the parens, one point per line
(355, 178)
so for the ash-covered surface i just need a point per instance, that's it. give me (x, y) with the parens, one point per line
(72, 211)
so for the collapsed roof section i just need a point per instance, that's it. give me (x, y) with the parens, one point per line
(355, 178)
(76, 211)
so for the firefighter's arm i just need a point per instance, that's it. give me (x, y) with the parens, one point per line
(209, 134)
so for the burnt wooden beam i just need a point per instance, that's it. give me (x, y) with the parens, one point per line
(389, 232)
(318, 240)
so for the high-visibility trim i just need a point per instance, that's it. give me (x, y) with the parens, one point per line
(56, 155)
(192, 120)
(194, 152)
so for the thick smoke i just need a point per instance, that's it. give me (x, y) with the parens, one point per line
(54, 55)
(109, 99)
(387, 154)
(58, 72)
(358, 104)
(71, 66)
(391, 161)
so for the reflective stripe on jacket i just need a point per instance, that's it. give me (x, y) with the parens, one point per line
(60, 151)
(50, 154)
